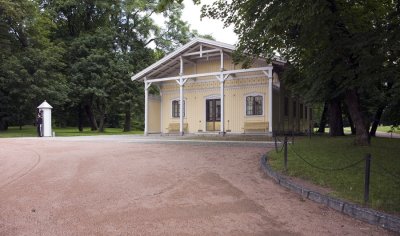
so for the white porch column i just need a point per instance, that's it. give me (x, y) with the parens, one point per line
(146, 106)
(181, 106)
(270, 104)
(221, 78)
(181, 83)
(222, 82)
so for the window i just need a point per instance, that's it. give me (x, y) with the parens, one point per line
(254, 105)
(301, 111)
(294, 109)
(286, 106)
(176, 108)
(305, 114)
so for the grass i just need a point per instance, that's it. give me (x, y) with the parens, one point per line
(30, 131)
(386, 129)
(336, 152)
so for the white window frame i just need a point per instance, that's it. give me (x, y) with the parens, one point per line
(184, 107)
(253, 95)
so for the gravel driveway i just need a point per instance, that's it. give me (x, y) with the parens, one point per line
(119, 186)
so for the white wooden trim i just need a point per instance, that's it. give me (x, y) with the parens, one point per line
(146, 107)
(201, 52)
(181, 82)
(216, 54)
(181, 106)
(228, 77)
(180, 50)
(222, 61)
(228, 72)
(231, 87)
(189, 61)
(189, 48)
(212, 96)
(181, 66)
(222, 126)
(161, 68)
(147, 85)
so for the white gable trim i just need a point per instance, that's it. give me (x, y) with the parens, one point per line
(180, 50)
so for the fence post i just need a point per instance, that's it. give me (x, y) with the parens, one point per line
(285, 152)
(366, 178)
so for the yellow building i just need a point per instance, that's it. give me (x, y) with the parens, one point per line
(203, 91)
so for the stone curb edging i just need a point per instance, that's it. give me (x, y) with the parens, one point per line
(364, 214)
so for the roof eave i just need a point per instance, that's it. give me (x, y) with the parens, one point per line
(143, 73)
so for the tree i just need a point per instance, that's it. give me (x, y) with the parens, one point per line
(106, 42)
(136, 31)
(31, 67)
(322, 122)
(336, 46)
(134, 28)
(83, 27)
(79, 56)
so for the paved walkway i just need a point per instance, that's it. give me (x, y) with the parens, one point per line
(125, 185)
(156, 139)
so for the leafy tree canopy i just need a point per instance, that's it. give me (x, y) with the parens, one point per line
(335, 48)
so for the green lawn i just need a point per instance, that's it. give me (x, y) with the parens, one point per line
(30, 131)
(388, 128)
(337, 152)
(385, 129)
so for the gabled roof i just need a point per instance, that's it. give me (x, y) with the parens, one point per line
(44, 105)
(175, 54)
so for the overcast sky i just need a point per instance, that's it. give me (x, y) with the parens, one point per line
(191, 14)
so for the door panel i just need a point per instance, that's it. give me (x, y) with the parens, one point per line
(213, 114)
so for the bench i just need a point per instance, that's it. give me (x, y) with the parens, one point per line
(260, 126)
(175, 127)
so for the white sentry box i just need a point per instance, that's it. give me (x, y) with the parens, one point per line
(46, 108)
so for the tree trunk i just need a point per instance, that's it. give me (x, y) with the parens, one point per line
(352, 128)
(127, 124)
(101, 107)
(3, 125)
(335, 118)
(377, 119)
(80, 118)
(101, 122)
(322, 122)
(352, 101)
(92, 119)
(20, 121)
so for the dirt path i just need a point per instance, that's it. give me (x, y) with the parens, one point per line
(50, 187)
